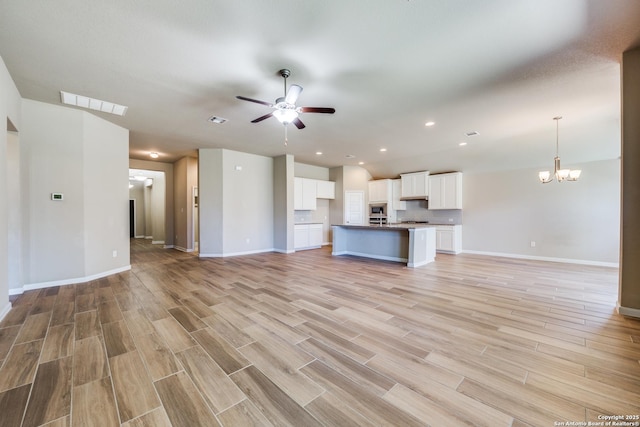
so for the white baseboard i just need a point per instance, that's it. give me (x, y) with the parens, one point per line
(5, 310)
(551, 259)
(230, 254)
(284, 251)
(42, 285)
(157, 242)
(631, 312)
(148, 237)
(168, 247)
(140, 237)
(181, 249)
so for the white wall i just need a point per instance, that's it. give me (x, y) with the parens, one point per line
(106, 195)
(577, 221)
(236, 203)
(10, 109)
(73, 152)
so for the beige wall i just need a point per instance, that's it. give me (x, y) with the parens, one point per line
(185, 179)
(629, 299)
(574, 221)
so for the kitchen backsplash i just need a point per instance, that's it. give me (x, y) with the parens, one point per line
(417, 211)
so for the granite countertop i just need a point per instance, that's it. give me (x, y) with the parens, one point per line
(394, 226)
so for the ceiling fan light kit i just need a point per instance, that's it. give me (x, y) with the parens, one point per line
(284, 108)
(558, 173)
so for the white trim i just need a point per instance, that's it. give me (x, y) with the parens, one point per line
(181, 249)
(140, 237)
(5, 310)
(157, 242)
(42, 285)
(540, 258)
(261, 251)
(284, 251)
(168, 247)
(148, 237)
(631, 312)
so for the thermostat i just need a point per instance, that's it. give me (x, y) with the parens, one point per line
(57, 196)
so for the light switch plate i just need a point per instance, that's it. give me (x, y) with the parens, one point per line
(57, 196)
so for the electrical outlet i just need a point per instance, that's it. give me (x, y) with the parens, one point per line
(533, 244)
(115, 253)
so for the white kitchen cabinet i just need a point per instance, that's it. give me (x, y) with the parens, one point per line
(325, 189)
(315, 235)
(396, 194)
(445, 191)
(415, 185)
(380, 191)
(304, 195)
(449, 239)
(307, 236)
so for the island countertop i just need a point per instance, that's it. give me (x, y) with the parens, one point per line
(392, 226)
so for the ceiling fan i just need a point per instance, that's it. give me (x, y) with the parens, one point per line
(284, 108)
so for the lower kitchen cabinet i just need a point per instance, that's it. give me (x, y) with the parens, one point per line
(307, 236)
(449, 239)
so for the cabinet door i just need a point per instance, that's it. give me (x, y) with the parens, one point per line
(436, 184)
(326, 189)
(309, 192)
(415, 184)
(315, 235)
(445, 240)
(297, 194)
(396, 193)
(301, 236)
(445, 191)
(379, 191)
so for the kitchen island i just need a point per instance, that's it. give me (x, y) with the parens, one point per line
(413, 244)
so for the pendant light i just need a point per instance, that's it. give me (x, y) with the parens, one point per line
(559, 173)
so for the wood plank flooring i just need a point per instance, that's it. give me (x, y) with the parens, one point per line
(309, 339)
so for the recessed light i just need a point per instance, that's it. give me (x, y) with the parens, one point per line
(154, 155)
(462, 144)
(318, 153)
(472, 133)
(382, 150)
(216, 120)
(428, 124)
(361, 163)
(92, 103)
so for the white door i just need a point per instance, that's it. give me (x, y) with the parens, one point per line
(354, 207)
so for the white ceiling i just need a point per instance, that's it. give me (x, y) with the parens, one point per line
(503, 68)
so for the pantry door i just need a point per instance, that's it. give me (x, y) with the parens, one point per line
(354, 207)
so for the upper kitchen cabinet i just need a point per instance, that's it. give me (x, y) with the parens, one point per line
(380, 191)
(325, 190)
(415, 185)
(445, 191)
(396, 193)
(305, 194)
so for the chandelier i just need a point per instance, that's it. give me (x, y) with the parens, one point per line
(559, 173)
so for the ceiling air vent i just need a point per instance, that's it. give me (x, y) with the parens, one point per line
(472, 133)
(216, 119)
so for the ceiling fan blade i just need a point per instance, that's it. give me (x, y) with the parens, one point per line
(298, 123)
(292, 94)
(244, 98)
(327, 110)
(261, 118)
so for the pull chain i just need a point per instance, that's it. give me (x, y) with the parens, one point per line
(286, 140)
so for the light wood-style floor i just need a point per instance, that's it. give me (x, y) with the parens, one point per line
(309, 339)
